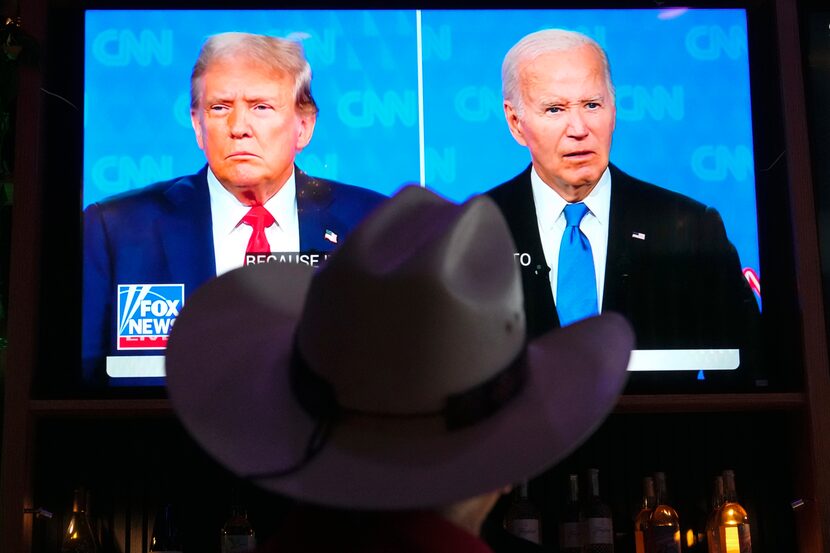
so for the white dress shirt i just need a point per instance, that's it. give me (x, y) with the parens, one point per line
(231, 236)
(550, 216)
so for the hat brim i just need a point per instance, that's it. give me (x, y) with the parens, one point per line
(228, 380)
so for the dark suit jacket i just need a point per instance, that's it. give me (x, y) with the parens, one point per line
(680, 287)
(163, 234)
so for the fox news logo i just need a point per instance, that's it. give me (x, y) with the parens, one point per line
(146, 313)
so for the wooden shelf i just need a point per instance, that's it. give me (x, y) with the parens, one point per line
(95, 407)
(669, 403)
(710, 403)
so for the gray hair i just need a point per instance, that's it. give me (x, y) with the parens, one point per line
(279, 54)
(541, 42)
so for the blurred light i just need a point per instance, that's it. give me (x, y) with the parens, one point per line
(671, 13)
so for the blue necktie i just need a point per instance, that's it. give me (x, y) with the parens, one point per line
(576, 281)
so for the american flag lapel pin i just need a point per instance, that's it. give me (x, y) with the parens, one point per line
(330, 236)
(638, 236)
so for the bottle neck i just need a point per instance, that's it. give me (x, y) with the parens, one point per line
(238, 508)
(649, 498)
(718, 497)
(573, 488)
(660, 488)
(593, 478)
(79, 501)
(730, 495)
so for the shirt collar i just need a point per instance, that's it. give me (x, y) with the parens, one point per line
(550, 205)
(227, 211)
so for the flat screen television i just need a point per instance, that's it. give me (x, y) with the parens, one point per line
(413, 96)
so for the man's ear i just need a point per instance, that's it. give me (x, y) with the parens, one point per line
(196, 121)
(306, 129)
(514, 123)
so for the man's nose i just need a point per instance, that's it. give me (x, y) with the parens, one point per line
(238, 123)
(576, 124)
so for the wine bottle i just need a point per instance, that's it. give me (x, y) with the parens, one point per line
(522, 518)
(598, 527)
(570, 532)
(733, 523)
(79, 537)
(237, 533)
(642, 519)
(663, 535)
(166, 536)
(712, 540)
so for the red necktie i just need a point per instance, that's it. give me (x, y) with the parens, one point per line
(259, 219)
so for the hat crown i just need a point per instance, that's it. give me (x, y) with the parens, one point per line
(417, 305)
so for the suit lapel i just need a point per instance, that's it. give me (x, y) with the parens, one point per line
(320, 228)
(625, 240)
(186, 231)
(520, 211)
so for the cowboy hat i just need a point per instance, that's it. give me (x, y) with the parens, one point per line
(398, 374)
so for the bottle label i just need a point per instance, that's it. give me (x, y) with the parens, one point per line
(527, 529)
(735, 539)
(599, 531)
(570, 536)
(729, 540)
(664, 539)
(238, 544)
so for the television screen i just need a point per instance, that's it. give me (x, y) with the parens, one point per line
(409, 96)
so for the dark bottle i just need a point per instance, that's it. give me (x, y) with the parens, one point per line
(663, 535)
(641, 521)
(166, 535)
(522, 518)
(79, 537)
(570, 531)
(598, 527)
(237, 535)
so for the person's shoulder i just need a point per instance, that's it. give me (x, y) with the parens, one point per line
(320, 190)
(515, 199)
(357, 192)
(652, 195)
(147, 196)
(506, 191)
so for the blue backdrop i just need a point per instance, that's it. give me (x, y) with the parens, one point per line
(682, 81)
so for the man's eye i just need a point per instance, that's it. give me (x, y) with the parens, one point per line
(554, 109)
(218, 108)
(262, 107)
(593, 105)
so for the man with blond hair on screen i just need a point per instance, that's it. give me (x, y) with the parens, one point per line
(252, 113)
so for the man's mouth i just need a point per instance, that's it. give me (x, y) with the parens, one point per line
(241, 155)
(579, 154)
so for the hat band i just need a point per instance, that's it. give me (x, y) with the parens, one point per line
(319, 399)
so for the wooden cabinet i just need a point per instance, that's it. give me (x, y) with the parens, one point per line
(132, 452)
(133, 455)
